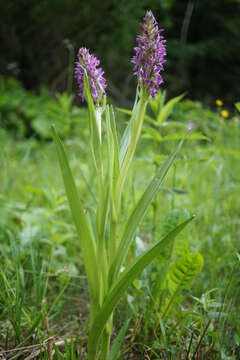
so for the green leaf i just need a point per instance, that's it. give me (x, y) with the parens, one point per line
(111, 148)
(113, 156)
(151, 133)
(115, 350)
(86, 239)
(174, 124)
(134, 132)
(181, 274)
(121, 285)
(126, 138)
(190, 136)
(228, 151)
(157, 103)
(115, 142)
(130, 112)
(184, 270)
(41, 126)
(167, 109)
(125, 111)
(154, 103)
(138, 214)
(238, 106)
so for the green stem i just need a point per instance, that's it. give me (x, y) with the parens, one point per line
(170, 302)
(100, 206)
(101, 253)
(136, 132)
(101, 250)
(105, 345)
(112, 241)
(155, 210)
(173, 186)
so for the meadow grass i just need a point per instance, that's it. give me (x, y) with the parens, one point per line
(43, 294)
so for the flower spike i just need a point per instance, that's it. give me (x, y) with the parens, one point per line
(150, 55)
(88, 63)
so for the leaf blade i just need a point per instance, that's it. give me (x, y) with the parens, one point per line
(115, 350)
(138, 214)
(86, 239)
(167, 109)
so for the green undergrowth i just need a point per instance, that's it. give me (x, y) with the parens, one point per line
(193, 311)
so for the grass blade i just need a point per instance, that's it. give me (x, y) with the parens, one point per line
(115, 350)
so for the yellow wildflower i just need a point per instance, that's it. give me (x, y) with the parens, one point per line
(219, 102)
(224, 113)
(218, 260)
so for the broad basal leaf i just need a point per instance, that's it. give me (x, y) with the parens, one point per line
(83, 228)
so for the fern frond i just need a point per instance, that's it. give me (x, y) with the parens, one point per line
(184, 270)
(180, 276)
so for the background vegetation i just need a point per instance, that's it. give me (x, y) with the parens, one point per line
(202, 42)
(43, 289)
(43, 293)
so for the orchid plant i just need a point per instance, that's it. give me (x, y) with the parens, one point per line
(105, 241)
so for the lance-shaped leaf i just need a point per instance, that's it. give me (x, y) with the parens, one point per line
(158, 103)
(138, 214)
(191, 136)
(121, 285)
(113, 155)
(130, 112)
(86, 239)
(115, 350)
(160, 110)
(116, 146)
(126, 138)
(167, 109)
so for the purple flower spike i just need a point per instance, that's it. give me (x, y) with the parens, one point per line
(89, 63)
(150, 55)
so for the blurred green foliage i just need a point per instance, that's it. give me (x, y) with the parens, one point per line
(26, 113)
(202, 42)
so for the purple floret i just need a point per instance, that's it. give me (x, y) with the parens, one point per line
(89, 63)
(150, 55)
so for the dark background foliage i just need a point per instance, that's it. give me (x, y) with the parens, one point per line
(202, 42)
